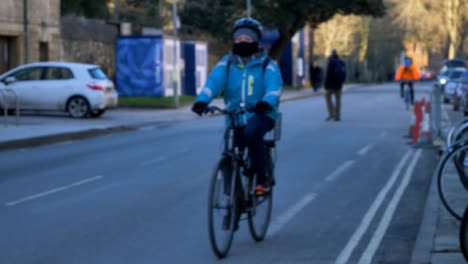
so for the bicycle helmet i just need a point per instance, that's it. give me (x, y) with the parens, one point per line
(249, 23)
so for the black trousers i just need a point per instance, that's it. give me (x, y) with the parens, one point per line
(410, 85)
(257, 127)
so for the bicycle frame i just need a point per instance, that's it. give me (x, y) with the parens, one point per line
(236, 151)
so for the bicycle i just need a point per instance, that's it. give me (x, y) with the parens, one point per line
(451, 171)
(406, 95)
(231, 192)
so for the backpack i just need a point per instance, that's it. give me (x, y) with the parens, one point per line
(340, 70)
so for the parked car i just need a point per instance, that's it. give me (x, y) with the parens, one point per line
(79, 89)
(461, 94)
(448, 84)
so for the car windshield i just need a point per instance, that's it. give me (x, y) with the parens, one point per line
(454, 74)
(97, 73)
(455, 63)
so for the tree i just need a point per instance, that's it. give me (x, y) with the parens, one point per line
(287, 16)
(438, 24)
(86, 8)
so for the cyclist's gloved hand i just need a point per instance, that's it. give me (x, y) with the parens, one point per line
(262, 107)
(199, 107)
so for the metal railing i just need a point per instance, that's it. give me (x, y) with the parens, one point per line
(5, 96)
(436, 112)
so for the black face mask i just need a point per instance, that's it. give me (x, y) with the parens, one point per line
(245, 49)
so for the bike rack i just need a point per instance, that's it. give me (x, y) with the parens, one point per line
(455, 130)
(5, 105)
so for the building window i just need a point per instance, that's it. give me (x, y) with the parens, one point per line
(43, 51)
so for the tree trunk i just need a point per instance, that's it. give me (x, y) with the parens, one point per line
(311, 45)
(452, 19)
(277, 49)
(286, 35)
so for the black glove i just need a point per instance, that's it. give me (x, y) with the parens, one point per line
(199, 107)
(262, 107)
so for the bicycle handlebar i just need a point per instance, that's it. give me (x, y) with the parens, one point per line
(243, 109)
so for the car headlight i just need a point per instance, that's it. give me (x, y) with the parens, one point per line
(443, 81)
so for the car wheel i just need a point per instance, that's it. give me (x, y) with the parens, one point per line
(97, 112)
(78, 107)
(446, 100)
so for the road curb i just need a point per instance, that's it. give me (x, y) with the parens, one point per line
(60, 137)
(50, 139)
(322, 93)
(424, 242)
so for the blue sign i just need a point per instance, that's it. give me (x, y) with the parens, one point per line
(139, 66)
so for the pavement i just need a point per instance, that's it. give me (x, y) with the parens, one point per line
(438, 240)
(49, 127)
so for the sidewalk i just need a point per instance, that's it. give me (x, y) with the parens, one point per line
(438, 239)
(56, 127)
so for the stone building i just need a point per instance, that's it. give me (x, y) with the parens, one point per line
(88, 41)
(29, 35)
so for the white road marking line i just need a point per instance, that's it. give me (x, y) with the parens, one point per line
(147, 128)
(366, 149)
(379, 233)
(153, 161)
(53, 191)
(367, 219)
(339, 170)
(284, 218)
(163, 158)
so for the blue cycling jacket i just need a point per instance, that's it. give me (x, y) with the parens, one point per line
(245, 83)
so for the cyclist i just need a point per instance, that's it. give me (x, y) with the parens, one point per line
(406, 74)
(248, 76)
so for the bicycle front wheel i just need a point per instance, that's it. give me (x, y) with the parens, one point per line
(451, 179)
(222, 208)
(464, 234)
(260, 212)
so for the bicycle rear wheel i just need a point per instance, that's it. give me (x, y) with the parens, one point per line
(451, 181)
(464, 234)
(222, 208)
(407, 99)
(260, 212)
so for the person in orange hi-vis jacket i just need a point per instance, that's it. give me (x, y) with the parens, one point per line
(406, 74)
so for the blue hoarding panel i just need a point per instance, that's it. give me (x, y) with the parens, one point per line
(188, 53)
(139, 66)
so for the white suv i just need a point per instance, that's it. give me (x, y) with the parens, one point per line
(79, 89)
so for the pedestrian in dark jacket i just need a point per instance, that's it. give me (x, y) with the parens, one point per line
(336, 74)
(316, 75)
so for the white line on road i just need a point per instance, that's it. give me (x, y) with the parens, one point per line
(365, 222)
(379, 233)
(284, 218)
(153, 161)
(339, 170)
(366, 149)
(147, 128)
(53, 191)
(163, 158)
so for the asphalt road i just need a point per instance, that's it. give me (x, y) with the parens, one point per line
(347, 192)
